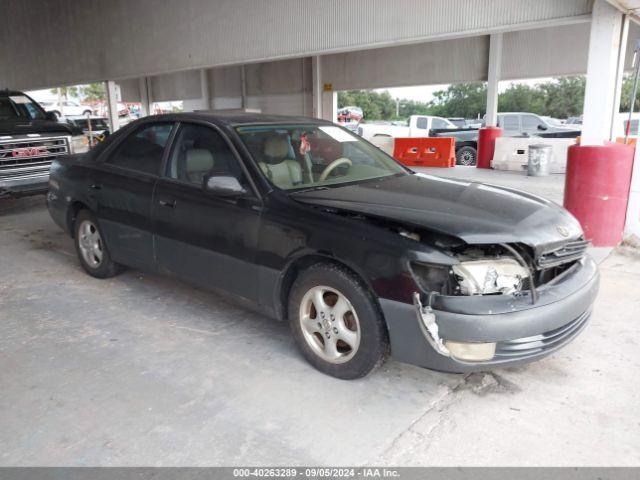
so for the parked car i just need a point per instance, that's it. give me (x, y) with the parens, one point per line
(314, 225)
(29, 139)
(515, 124)
(67, 108)
(466, 140)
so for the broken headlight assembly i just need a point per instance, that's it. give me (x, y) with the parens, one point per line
(490, 276)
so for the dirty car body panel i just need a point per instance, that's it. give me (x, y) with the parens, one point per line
(404, 235)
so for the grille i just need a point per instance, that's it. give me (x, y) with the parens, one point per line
(30, 157)
(538, 344)
(567, 253)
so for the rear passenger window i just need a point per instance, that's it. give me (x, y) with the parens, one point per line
(143, 149)
(200, 151)
(510, 123)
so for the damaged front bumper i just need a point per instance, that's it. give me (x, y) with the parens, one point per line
(518, 331)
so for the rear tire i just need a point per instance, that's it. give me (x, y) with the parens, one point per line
(466, 156)
(336, 322)
(91, 249)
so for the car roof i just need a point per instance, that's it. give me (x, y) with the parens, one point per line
(237, 118)
(6, 92)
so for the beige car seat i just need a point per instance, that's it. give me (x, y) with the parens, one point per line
(282, 171)
(198, 162)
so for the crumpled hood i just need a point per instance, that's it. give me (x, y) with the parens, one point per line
(474, 212)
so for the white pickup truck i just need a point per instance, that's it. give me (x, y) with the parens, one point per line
(427, 126)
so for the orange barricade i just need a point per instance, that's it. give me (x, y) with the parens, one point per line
(630, 141)
(425, 152)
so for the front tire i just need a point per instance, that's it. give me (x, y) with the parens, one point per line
(91, 249)
(336, 322)
(466, 156)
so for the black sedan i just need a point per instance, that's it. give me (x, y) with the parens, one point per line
(313, 225)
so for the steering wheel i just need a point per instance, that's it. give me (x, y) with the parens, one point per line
(332, 166)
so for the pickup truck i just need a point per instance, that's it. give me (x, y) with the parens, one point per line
(428, 126)
(30, 139)
(516, 124)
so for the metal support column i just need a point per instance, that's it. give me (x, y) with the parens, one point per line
(145, 96)
(204, 89)
(493, 78)
(243, 86)
(316, 75)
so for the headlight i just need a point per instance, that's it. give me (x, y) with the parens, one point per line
(487, 276)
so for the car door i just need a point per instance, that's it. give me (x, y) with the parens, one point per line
(122, 187)
(203, 238)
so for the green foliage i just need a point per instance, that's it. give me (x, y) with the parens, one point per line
(66, 92)
(374, 105)
(560, 98)
(521, 98)
(625, 97)
(466, 100)
(93, 92)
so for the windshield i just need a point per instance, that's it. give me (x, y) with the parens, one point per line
(315, 156)
(20, 107)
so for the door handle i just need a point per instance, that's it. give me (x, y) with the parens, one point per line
(168, 203)
(95, 186)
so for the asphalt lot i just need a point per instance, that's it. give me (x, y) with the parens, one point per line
(144, 370)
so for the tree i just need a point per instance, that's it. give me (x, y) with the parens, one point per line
(93, 92)
(564, 97)
(374, 105)
(466, 100)
(66, 92)
(560, 98)
(521, 98)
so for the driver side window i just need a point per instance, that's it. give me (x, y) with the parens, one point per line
(200, 151)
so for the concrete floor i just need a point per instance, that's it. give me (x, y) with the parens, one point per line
(144, 370)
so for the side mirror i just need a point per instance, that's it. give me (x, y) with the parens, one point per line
(51, 116)
(542, 127)
(224, 186)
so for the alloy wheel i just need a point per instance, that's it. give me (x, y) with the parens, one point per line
(330, 325)
(90, 244)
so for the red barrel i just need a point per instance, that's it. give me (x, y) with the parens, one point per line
(486, 145)
(596, 189)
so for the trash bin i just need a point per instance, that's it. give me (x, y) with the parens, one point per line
(539, 160)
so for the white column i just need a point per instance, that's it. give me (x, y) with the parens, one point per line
(330, 106)
(316, 75)
(145, 97)
(493, 78)
(632, 223)
(622, 54)
(112, 104)
(602, 73)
